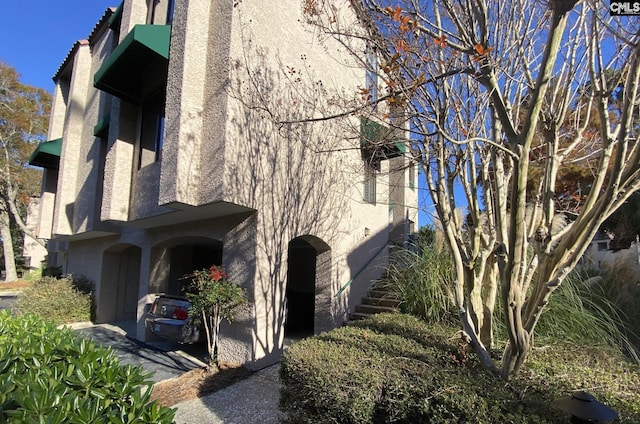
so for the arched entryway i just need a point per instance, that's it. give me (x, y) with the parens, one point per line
(119, 284)
(308, 272)
(173, 259)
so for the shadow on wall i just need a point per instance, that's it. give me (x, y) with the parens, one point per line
(366, 264)
(297, 177)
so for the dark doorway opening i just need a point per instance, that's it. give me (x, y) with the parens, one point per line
(186, 258)
(301, 288)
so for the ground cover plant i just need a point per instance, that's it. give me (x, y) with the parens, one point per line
(49, 375)
(58, 300)
(397, 368)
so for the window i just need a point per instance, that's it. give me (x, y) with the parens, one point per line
(412, 175)
(369, 190)
(372, 75)
(602, 246)
(152, 128)
(160, 12)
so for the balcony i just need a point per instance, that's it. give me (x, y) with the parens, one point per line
(138, 65)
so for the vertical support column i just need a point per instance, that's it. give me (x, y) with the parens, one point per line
(397, 200)
(181, 158)
(119, 162)
(144, 298)
(72, 136)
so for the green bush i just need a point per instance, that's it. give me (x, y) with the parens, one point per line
(48, 375)
(58, 300)
(396, 368)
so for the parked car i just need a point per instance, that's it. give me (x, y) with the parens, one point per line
(169, 319)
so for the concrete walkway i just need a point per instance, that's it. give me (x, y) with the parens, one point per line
(250, 401)
(164, 360)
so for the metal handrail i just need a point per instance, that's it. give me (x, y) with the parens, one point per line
(346, 286)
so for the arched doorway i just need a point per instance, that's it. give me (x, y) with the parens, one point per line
(188, 256)
(174, 258)
(308, 269)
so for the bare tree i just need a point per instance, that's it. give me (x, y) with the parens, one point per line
(500, 98)
(24, 112)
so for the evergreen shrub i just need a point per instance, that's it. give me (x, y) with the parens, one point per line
(49, 375)
(395, 368)
(58, 300)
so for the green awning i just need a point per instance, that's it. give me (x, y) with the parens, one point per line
(143, 54)
(101, 129)
(114, 20)
(47, 154)
(376, 141)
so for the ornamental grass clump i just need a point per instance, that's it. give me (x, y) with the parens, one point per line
(213, 299)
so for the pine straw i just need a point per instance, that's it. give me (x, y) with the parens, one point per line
(198, 383)
(15, 285)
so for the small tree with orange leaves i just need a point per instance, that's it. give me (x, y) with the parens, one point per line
(213, 299)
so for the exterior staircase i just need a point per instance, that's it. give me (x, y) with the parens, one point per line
(379, 299)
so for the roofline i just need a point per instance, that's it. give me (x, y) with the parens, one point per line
(97, 29)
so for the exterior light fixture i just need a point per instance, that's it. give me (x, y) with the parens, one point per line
(584, 408)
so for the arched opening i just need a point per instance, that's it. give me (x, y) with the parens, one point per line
(306, 275)
(188, 257)
(174, 258)
(120, 284)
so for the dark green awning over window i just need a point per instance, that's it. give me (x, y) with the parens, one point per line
(144, 53)
(47, 154)
(101, 129)
(377, 141)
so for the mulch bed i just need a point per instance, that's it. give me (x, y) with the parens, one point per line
(197, 383)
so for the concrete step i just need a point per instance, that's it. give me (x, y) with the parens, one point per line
(355, 316)
(381, 301)
(381, 293)
(375, 309)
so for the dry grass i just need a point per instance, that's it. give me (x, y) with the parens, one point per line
(197, 383)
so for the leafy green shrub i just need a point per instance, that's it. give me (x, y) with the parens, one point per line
(396, 368)
(214, 298)
(58, 300)
(52, 271)
(49, 375)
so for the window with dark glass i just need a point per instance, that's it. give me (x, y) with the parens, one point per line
(412, 175)
(160, 12)
(152, 128)
(372, 76)
(369, 189)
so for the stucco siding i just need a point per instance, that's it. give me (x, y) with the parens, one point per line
(247, 175)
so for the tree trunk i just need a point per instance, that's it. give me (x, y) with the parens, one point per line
(15, 213)
(7, 245)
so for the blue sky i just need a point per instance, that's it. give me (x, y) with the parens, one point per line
(36, 35)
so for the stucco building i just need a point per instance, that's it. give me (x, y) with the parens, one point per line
(180, 137)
